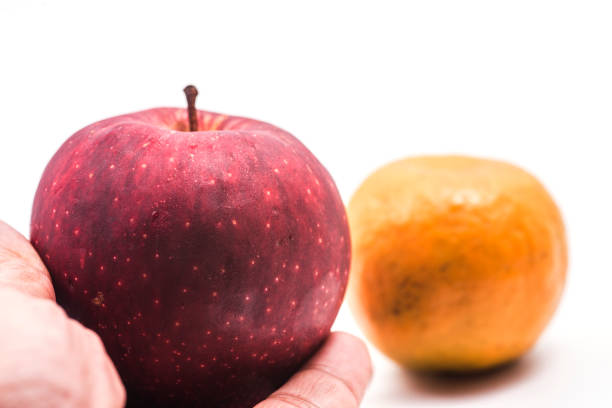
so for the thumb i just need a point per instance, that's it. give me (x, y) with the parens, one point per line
(336, 376)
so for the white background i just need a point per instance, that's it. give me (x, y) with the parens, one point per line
(360, 84)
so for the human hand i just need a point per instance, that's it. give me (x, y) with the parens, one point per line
(49, 360)
(46, 358)
(336, 377)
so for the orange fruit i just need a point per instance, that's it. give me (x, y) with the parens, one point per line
(458, 262)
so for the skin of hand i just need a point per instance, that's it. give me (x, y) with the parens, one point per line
(46, 358)
(49, 360)
(336, 377)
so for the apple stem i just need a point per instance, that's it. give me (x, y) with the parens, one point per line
(191, 92)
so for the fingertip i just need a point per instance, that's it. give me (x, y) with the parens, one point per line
(346, 356)
(336, 376)
(20, 265)
(359, 349)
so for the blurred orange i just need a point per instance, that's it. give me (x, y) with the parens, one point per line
(458, 262)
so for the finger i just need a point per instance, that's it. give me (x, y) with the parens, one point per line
(99, 379)
(49, 360)
(21, 267)
(336, 376)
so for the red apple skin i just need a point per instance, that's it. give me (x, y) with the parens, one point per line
(211, 263)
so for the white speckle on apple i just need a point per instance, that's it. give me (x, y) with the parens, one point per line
(76, 232)
(187, 224)
(112, 166)
(143, 165)
(320, 240)
(146, 144)
(234, 222)
(268, 225)
(276, 171)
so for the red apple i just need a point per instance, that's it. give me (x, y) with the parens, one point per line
(212, 263)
